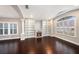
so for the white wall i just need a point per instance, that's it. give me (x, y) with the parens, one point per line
(38, 25)
(8, 11)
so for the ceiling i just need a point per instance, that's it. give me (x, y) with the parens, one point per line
(43, 11)
(38, 12)
(8, 11)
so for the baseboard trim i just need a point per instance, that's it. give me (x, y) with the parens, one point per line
(67, 42)
(10, 40)
(37, 37)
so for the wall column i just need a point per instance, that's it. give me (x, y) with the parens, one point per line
(22, 32)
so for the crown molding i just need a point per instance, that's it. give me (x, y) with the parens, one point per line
(65, 12)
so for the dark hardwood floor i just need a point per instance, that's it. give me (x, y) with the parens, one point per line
(45, 45)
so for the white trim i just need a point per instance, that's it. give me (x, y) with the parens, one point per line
(22, 29)
(67, 40)
(9, 38)
(9, 28)
(74, 9)
(22, 21)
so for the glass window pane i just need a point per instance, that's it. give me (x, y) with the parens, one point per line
(1, 25)
(5, 31)
(5, 26)
(11, 26)
(15, 31)
(15, 26)
(1, 31)
(11, 31)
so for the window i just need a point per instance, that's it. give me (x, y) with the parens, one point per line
(5, 28)
(8, 28)
(66, 26)
(1, 28)
(13, 28)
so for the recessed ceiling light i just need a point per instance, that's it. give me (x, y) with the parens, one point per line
(26, 6)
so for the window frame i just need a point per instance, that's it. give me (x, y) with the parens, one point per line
(5, 28)
(74, 26)
(2, 29)
(9, 28)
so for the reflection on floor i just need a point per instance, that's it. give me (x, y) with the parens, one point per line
(45, 45)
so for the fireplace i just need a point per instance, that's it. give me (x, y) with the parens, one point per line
(39, 37)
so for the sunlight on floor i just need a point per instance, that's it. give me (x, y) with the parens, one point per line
(31, 51)
(48, 49)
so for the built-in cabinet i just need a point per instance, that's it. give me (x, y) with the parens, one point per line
(35, 28)
(29, 28)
